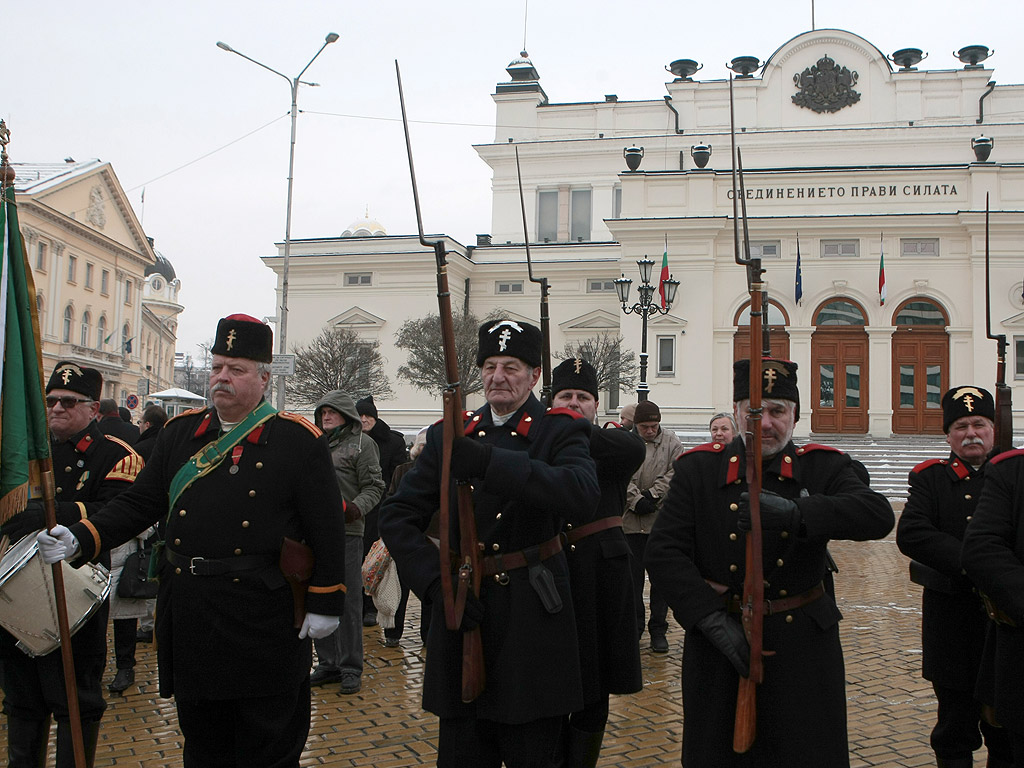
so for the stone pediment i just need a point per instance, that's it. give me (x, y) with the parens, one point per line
(600, 320)
(356, 318)
(1015, 321)
(667, 322)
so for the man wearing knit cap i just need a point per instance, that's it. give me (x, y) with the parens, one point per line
(530, 472)
(89, 470)
(696, 558)
(644, 497)
(943, 496)
(599, 568)
(240, 487)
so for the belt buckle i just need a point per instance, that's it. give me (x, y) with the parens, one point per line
(192, 565)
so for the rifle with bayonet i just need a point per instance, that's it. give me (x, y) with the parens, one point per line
(1004, 406)
(468, 556)
(752, 604)
(545, 317)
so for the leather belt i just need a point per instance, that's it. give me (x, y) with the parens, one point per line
(782, 604)
(496, 565)
(575, 534)
(206, 566)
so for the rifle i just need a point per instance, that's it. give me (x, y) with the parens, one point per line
(752, 605)
(1004, 406)
(470, 572)
(545, 318)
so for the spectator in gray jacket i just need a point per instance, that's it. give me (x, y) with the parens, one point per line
(357, 469)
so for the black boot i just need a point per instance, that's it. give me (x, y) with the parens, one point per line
(584, 748)
(954, 762)
(66, 745)
(26, 742)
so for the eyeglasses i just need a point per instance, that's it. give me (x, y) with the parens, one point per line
(67, 402)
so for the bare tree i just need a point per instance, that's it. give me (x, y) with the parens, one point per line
(424, 367)
(337, 359)
(616, 366)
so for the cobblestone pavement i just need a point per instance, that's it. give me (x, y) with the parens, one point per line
(891, 709)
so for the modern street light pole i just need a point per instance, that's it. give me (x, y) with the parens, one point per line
(645, 307)
(293, 84)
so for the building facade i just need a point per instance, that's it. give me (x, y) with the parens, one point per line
(106, 298)
(850, 161)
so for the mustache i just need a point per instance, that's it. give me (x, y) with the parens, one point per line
(222, 387)
(973, 441)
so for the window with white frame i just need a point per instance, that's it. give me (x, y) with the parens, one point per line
(69, 318)
(41, 256)
(840, 248)
(128, 291)
(101, 332)
(88, 275)
(1018, 354)
(547, 215)
(358, 278)
(508, 287)
(765, 249)
(86, 322)
(920, 246)
(617, 201)
(580, 215)
(105, 282)
(666, 355)
(601, 286)
(72, 268)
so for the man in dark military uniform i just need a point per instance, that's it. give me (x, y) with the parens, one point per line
(530, 471)
(602, 585)
(234, 482)
(943, 495)
(89, 470)
(993, 558)
(696, 556)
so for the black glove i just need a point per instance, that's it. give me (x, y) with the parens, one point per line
(352, 512)
(777, 513)
(728, 637)
(645, 505)
(472, 614)
(469, 458)
(30, 520)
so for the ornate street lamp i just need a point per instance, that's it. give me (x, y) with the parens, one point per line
(645, 307)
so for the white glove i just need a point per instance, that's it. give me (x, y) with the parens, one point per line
(317, 625)
(56, 545)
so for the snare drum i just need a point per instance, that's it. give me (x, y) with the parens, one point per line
(28, 608)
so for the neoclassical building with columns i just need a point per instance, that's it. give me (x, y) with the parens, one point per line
(852, 159)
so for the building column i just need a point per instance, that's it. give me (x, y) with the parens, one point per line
(880, 380)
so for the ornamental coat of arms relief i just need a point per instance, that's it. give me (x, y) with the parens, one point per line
(825, 87)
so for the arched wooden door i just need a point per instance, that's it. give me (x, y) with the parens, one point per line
(779, 337)
(920, 366)
(839, 368)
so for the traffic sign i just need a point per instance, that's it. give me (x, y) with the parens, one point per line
(132, 402)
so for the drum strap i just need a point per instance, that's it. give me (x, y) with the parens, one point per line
(211, 454)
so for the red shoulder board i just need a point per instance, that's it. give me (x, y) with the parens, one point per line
(471, 422)
(302, 420)
(815, 447)
(612, 425)
(254, 436)
(564, 412)
(189, 412)
(929, 463)
(960, 469)
(716, 447)
(1007, 455)
(203, 425)
(83, 445)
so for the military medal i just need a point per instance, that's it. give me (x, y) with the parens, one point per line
(81, 463)
(236, 455)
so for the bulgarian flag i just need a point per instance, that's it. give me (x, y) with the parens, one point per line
(24, 439)
(664, 275)
(881, 273)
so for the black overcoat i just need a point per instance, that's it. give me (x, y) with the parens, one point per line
(993, 556)
(801, 705)
(943, 496)
(602, 584)
(540, 474)
(231, 636)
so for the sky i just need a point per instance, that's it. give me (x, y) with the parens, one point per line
(205, 133)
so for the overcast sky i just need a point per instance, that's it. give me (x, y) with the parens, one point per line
(205, 133)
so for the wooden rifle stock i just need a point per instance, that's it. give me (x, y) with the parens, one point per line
(473, 673)
(1004, 405)
(752, 605)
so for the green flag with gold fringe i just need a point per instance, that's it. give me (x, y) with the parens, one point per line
(24, 438)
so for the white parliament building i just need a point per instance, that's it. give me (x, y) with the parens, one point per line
(860, 155)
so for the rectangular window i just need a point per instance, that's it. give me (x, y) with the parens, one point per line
(600, 286)
(508, 287)
(358, 278)
(41, 257)
(853, 386)
(921, 246)
(666, 355)
(105, 282)
(765, 249)
(840, 248)
(827, 386)
(907, 386)
(579, 215)
(617, 202)
(72, 268)
(547, 216)
(1018, 350)
(88, 275)
(128, 291)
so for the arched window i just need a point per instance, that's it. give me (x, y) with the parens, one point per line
(920, 312)
(69, 317)
(86, 322)
(101, 332)
(40, 306)
(840, 312)
(126, 340)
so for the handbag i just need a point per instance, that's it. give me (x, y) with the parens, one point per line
(376, 563)
(134, 582)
